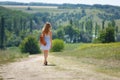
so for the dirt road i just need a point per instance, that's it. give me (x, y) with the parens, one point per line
(58, 68)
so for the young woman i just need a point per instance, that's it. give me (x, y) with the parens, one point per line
(46, 31)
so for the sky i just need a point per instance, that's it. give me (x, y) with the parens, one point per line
(90, 2)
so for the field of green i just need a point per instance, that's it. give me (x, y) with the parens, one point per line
(105, 57)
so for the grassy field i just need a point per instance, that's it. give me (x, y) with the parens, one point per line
(105, 57)
(11, 54)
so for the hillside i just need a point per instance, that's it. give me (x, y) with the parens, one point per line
(83, 21)
(61, 14)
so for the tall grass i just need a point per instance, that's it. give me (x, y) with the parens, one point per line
(11, 54)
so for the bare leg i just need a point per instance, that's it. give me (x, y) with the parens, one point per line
(45, 55)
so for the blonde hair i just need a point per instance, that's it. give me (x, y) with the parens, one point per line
(46, 28)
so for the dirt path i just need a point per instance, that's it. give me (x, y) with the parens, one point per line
(58, 69)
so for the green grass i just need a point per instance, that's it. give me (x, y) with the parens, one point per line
(11, 54)
(71, 46)
(96, 51)
(105, 57)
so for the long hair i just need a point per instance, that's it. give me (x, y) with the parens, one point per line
(46, 28)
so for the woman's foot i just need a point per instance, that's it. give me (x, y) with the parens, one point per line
(45, 63)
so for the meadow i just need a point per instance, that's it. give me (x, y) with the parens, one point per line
(104, 57)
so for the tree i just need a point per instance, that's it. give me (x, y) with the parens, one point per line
(69, 30)
(89, 31)
(31, 25)
(60, 34)
(103, 24)
(16, 27)
(29, 8)
(71, 22)
(113, 23)
(110, 35)
(2, 33)
(89, 26)
(83, 12)
(96, 29)
(21, 24)
(82, 26)
(116, 29)
(107, 35)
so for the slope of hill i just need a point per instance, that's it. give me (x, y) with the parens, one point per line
(63, 13)
(83, 18)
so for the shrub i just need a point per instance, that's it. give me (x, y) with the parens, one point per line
(58, 45)
(30, 45)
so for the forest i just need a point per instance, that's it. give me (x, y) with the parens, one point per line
(71, 23)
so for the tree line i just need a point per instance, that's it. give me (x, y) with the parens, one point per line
(16, 25)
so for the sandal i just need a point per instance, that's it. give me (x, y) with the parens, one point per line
(45, 63)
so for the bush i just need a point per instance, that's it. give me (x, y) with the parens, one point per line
(58, 45)
(30, 45)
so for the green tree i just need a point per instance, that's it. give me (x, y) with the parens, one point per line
(103, 24)
(60, 34)
(107, 35)
(89, 26)
(116, 29)
(71, 22)
(31, 25)
(96, 29)
(110, 35)
(113, 23)
(69, 30)
(2, 33)
(16, 27)
(82, 26)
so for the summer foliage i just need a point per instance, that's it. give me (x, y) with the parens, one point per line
(57, 45)
(71, 23)
(30, 45)
(107, 35)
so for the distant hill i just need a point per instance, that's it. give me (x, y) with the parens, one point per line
(86, 20)
(30, 4)
(50, 4)
(78, 13)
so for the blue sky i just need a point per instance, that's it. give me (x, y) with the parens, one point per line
(110, 2)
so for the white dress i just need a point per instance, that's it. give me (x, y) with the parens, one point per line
(48, 43)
